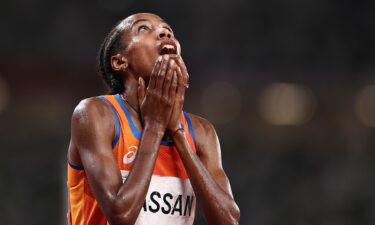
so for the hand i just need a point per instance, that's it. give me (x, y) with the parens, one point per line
(183, 78)
(157, 100)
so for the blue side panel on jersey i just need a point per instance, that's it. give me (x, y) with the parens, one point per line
(118, 125)
(191, 131)
(75, 166)
(137, 134)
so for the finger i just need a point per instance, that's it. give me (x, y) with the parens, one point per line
(141, 90)
(181, 84)
(162, 72)
(173, 88)
(181, 63)
(185, 78)
(154, 73)
(168, 77)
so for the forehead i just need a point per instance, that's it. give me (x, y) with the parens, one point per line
(129, 21)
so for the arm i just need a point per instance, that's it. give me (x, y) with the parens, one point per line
(92, 134)
(206, 174)
(119, 202)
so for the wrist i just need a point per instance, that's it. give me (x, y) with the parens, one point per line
(178, 133)
(154, 128)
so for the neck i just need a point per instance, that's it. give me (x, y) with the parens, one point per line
(131, 91)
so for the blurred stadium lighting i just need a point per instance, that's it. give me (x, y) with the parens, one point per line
(286, 104)
(4, 95)
(365, 106)
(221, 102)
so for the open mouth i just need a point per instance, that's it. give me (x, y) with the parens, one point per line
(168, 48)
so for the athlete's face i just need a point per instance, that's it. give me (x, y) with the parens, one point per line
(147, 37)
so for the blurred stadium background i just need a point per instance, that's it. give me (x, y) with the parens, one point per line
(289, 86)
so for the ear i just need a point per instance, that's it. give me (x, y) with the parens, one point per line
(119, 62)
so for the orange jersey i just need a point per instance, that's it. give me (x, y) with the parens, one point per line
(170, 199)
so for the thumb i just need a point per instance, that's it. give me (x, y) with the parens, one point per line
(141, 89)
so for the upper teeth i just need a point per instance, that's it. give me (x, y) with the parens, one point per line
(168, 46)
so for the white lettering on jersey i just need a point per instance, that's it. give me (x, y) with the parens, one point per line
(169, 201)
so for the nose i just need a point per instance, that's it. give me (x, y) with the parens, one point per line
(164, 33)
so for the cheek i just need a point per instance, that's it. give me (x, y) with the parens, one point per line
(143, 64)
(142, 57)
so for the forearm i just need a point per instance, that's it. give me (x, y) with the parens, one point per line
(132, 193)
(218, 206)
(155, 106)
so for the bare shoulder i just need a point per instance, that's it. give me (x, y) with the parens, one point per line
(204, 130)
(90, 110)
(92, 105)
(92, 118)
(201, 124)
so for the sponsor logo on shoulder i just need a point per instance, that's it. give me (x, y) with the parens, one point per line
(130, 156)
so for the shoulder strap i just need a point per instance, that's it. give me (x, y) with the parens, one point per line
(187, 125)
(118, 125)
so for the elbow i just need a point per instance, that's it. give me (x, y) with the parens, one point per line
(120, 219)
(234, 214)
(229, 216)
(117, 215)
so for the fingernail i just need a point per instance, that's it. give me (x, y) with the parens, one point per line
(160, 58)
(165, 57)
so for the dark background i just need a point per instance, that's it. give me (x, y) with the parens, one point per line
(287, 84)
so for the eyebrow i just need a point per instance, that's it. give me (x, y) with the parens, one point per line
(140, 20)
(143, 20)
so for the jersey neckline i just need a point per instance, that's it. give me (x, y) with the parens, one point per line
(137, 133)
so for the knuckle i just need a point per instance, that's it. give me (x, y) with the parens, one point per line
(154, 95)
(165, 100)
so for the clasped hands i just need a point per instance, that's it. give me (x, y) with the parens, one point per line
(162, 101)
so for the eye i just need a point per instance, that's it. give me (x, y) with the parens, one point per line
(143, 28)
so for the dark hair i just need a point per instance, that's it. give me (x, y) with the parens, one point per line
(110, 45)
